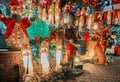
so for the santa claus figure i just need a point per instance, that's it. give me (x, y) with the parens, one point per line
(70, 49)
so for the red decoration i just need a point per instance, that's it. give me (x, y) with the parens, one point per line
(103, 46)
(93, 2)
(105, 16)
(37, 41)
(24, 23)
(117, 50)
(116, 2)
(86, 37)
(116, 14)
(14, 2)
(69, 49)
(86, 2)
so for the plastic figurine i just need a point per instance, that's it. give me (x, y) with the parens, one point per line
(51, 14)
(27, 59)
(44, 58)
(83, 11)
(58, 55)
(99, 56)
(44, 15)
(57, 14)
(90, 21)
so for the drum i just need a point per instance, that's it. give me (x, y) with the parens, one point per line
(81, 47)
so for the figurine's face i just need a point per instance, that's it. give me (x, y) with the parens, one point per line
(25, 47)
(113, 36)
(69, 3)
(68, 26)
(96, 43)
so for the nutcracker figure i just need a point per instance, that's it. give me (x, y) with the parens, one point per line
(70, 38)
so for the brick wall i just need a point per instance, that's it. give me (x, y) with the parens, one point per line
(9, 69)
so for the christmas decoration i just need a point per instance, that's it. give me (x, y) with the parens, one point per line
(15, 32)
(51, 14)
(15, 7)
(58, 55)
(38, 29)
(57, 14)
(43, 52)
(116, 4)
(27, 60)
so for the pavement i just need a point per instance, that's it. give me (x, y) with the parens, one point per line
(99, 73)
(92, 72)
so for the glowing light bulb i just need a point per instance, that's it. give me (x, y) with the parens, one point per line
(18, 32)
(18, 42)
(14, 42)
(13, 34)
(13, 39)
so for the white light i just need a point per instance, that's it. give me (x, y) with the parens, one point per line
(18, 32)
(13, 39)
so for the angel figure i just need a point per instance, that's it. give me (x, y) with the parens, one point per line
(109, 17)
(44, 15)
(57, 14)
(90, 21)
(51, 14)
(27, 59)
(58, 55)
(81, 22)
(43, 51)
(40, 13)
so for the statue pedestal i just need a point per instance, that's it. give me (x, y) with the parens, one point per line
(9, 66)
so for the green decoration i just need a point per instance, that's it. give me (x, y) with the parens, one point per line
(116, 28)
(38, 29)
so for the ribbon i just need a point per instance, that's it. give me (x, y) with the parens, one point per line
(24, 23)
(10, 28)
